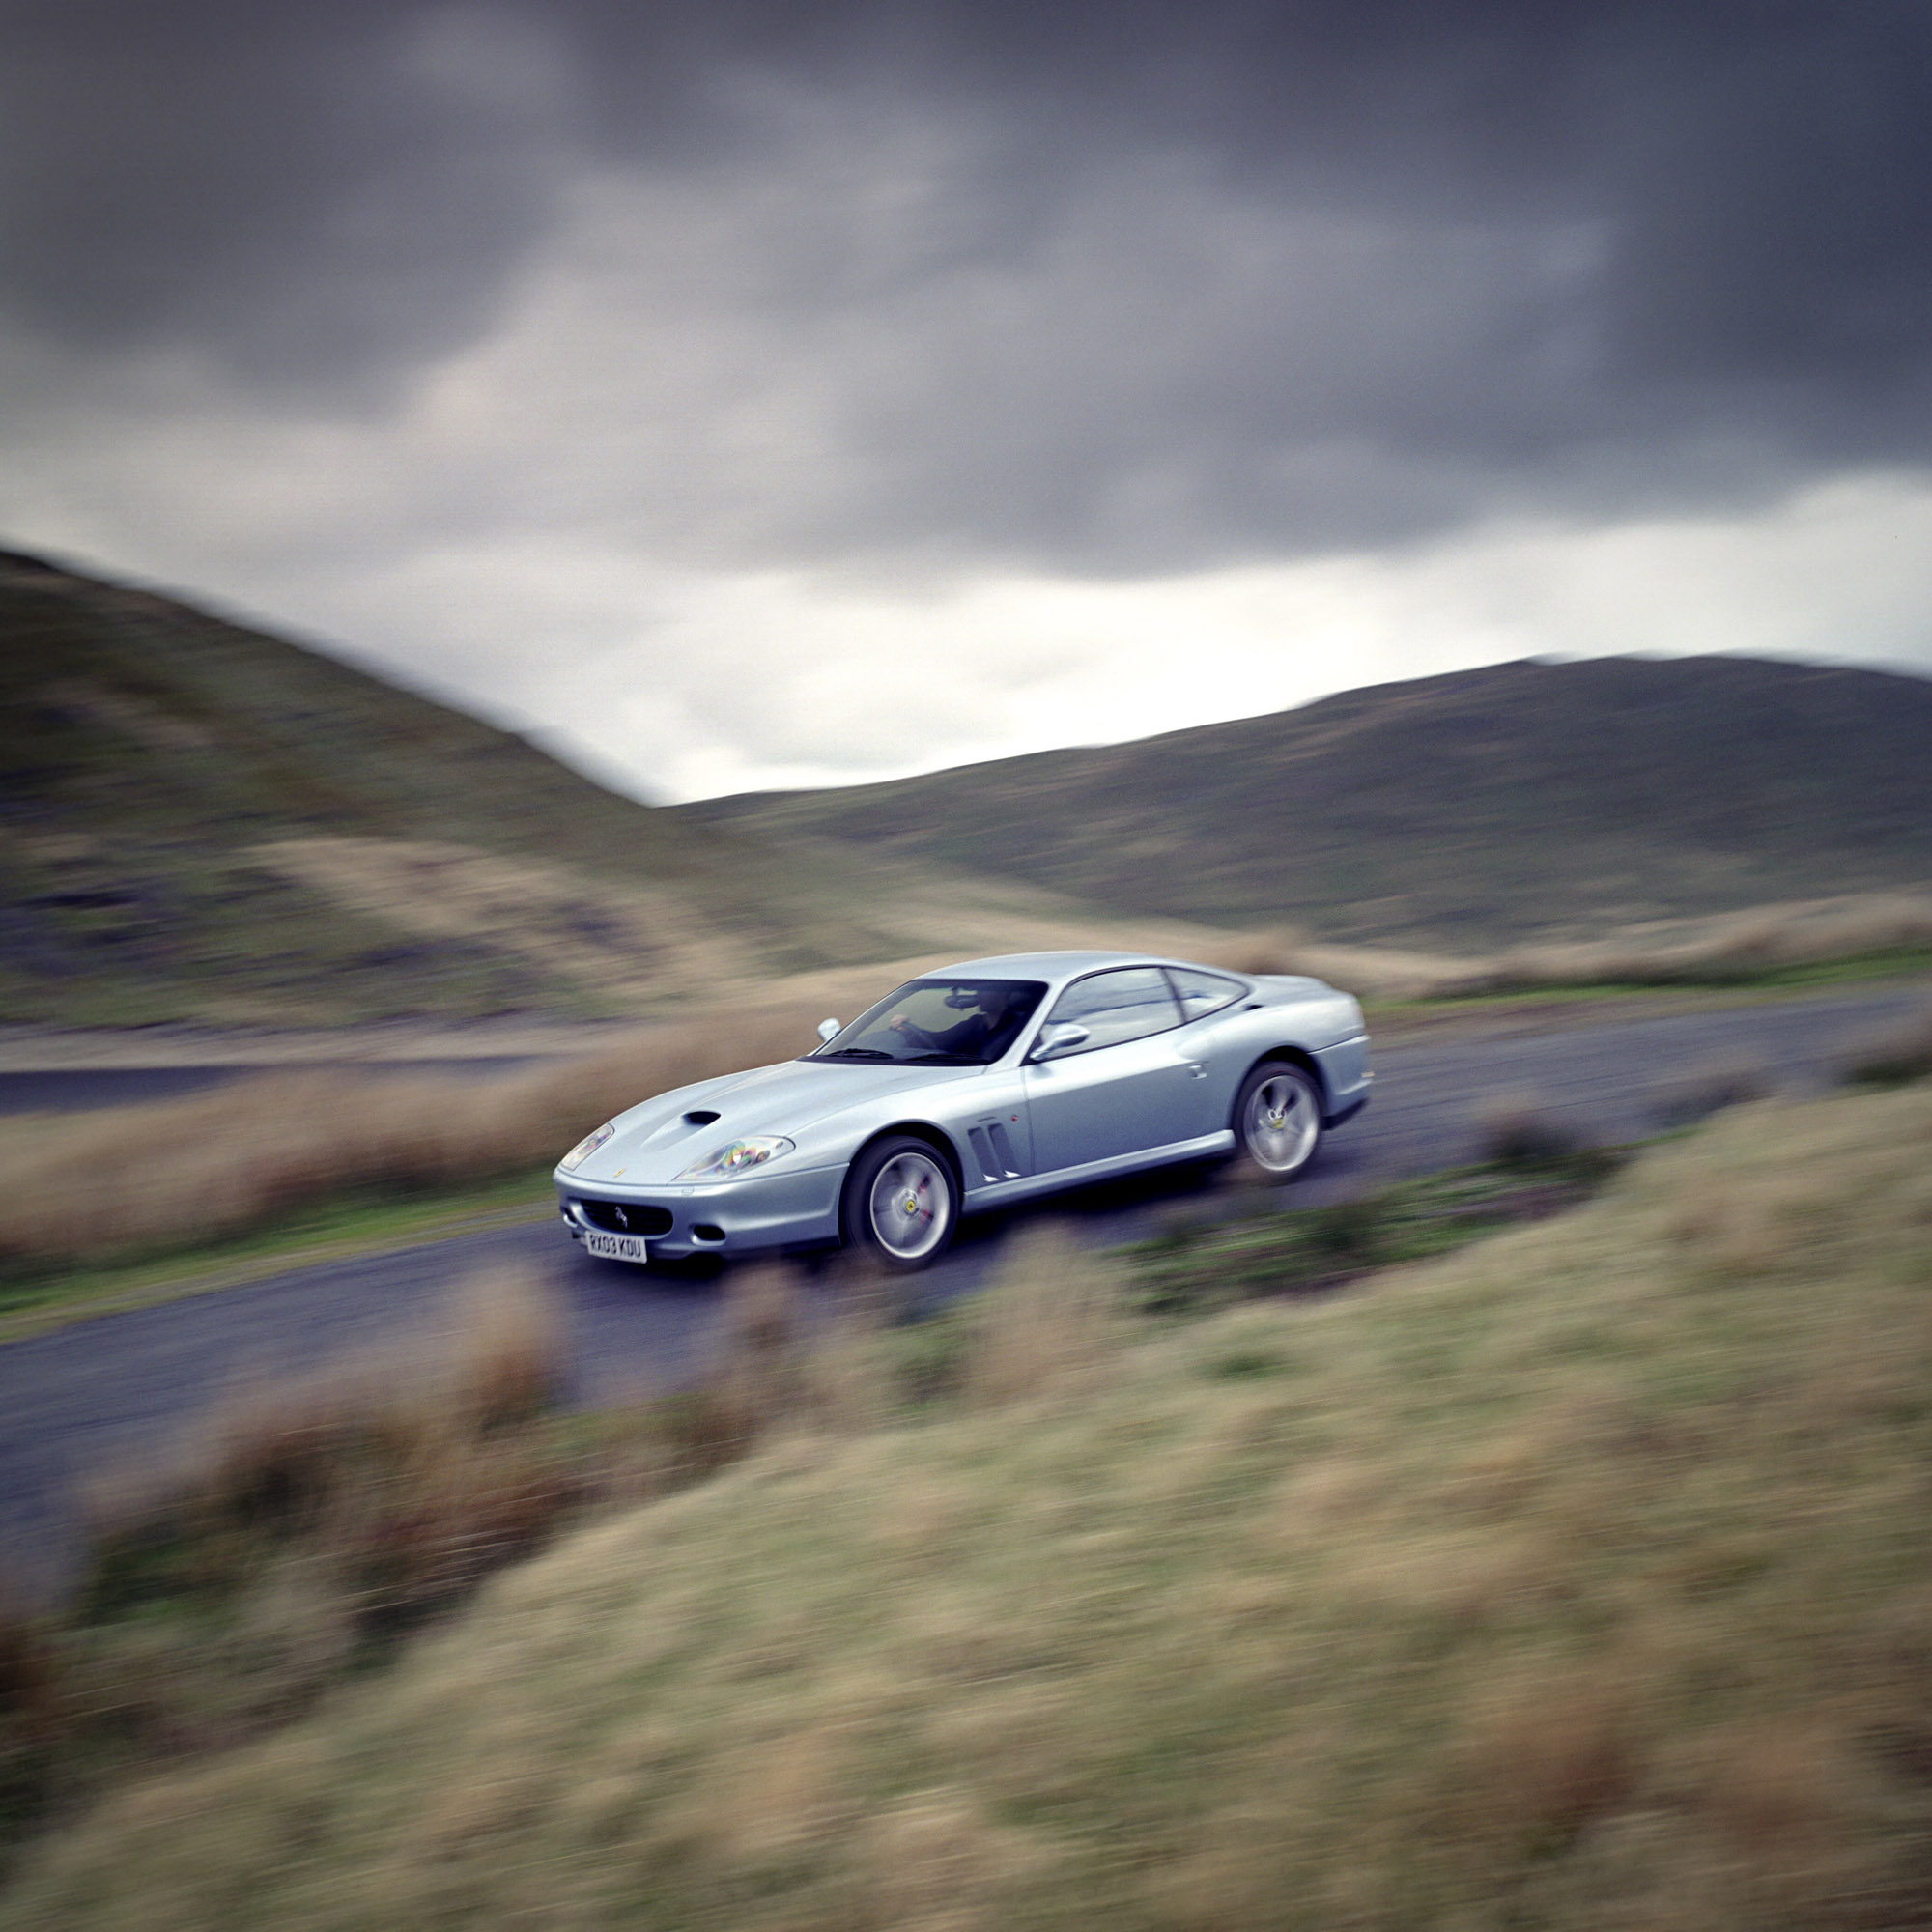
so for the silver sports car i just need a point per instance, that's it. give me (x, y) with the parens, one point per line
(973, 1088)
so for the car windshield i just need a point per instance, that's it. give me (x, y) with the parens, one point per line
(939, 1023)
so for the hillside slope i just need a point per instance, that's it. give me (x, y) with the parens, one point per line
(1466, 810)
(1574, 1584)
(198, 820)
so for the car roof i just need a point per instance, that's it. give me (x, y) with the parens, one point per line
(1052, 967)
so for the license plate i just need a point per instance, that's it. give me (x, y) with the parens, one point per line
(616, 1247)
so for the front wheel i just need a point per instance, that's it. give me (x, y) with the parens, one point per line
(900, 1204)
(1278, 1118)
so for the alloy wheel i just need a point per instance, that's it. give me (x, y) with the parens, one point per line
(1282, 1123)
(910, 1206)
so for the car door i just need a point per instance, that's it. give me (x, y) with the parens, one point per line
(1130, 1087)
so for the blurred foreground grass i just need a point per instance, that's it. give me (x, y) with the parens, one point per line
(294, 1535)
(1578, 1579)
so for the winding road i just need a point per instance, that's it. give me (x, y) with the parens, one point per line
(115, 1392)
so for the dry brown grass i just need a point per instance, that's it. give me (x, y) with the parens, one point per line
(625, 943)
(304, 1528)
(1734, 947)
(758, 1378)
(654, 950)
(1579, 1581)
(1723, 949)
(289, 1539)
(1052, 1322)
(193, 1170)
(392, 1484)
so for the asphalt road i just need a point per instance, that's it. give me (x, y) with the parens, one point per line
(117, 1393)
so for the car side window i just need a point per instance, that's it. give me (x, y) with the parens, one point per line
(1128, 1003)
(1203, 992)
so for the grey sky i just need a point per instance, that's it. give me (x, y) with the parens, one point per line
(673, 377)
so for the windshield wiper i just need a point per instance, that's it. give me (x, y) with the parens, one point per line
(853, 1053)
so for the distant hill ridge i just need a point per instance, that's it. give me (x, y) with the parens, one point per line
(1469, 811)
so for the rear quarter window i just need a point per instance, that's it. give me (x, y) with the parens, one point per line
(1200, 993)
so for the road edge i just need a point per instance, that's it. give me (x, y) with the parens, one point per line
(29, 1322)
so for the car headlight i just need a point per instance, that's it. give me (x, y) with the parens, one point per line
(587, 1147)
(738, 1156)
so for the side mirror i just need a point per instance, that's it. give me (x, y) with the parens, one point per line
(828, 1029)
(1054, 1041)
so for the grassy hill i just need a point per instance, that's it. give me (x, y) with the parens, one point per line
(1465, 811)
(201, 821)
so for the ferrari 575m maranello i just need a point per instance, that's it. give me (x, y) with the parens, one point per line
(987, 1084)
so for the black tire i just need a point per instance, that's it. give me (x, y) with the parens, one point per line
(1278, 1118)
(901, 1204)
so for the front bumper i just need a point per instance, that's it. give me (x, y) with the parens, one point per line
(1347, 1076)
(784, 1210)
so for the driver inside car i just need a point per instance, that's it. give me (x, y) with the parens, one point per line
(987, 1030)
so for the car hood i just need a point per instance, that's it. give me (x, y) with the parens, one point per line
(656, 1141)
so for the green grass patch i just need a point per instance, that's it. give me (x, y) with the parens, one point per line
(361, 1221)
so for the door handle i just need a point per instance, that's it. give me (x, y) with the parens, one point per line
(1195, 1068)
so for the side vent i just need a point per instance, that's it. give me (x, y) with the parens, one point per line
(994, 1153)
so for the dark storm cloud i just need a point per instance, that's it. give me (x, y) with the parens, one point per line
(1183, 281)
(299, 193)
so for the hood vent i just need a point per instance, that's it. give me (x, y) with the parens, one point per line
(701, 1117)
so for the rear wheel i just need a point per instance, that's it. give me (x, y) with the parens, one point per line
(1278, 1118)
(901, 1204)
